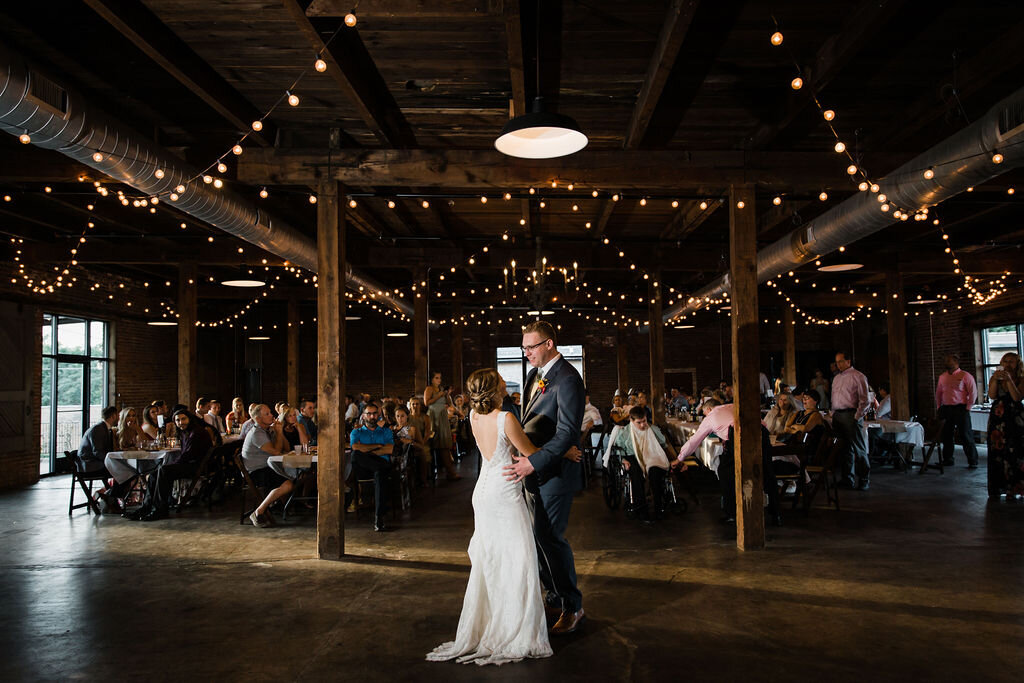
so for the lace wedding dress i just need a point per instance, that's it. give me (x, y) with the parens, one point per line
(503, 613)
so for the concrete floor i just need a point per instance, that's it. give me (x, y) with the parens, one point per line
(920, 578)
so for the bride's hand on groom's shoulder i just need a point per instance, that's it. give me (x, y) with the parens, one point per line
(520, 468)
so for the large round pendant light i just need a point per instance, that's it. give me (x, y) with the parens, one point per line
(540, 135)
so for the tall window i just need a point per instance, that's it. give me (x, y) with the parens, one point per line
(996, 341)
(513, 366)
(76, 369)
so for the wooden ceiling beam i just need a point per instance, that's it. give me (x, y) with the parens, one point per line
(673, 32)
(688, 219)
(490, 170)
(607, 209)
(350, 65)
(514, 41)
(158, 42)
(832, 57)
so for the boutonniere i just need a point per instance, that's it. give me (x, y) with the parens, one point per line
(542, 384)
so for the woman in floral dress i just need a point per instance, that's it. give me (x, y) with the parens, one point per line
(1006, 428)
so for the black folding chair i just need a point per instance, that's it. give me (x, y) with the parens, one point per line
(84, 478)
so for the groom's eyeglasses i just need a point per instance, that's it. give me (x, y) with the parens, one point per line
(531, 347)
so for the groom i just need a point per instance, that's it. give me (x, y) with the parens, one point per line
(552, 416)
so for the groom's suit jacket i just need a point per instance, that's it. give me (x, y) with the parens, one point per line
(552, 420)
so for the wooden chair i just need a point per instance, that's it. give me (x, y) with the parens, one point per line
(932, 441)
(821, 468)
(201, 484)
(84, 478)
(250, 485)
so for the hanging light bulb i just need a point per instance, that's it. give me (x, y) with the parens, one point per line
(222, 167)
(174, 196)
(997, 158)
(796, 83)
(594, 194)
(874, 187)
(741, 204)
(25, 138)
(863, 186)
(293, 99)
(263, 193)
(675, 204)
(320, 65)
(851, 169)
(350, 20)
(98, 157)
(391, 203)
(312, 199)
(840, 147)
(615, 197)
(352, 204)
(777, 201)
(643, 201)
(929, 174)
(425, 204)
(237, 150)
(703, 206)
(823, 196)
(257, 125)
(218, 183)
(483, 199)
(508, 196)
(777, 38)
(829, 114)
(207, 179)
(179, 189)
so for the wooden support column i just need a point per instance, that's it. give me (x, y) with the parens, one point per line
(745, 362)
(330, 400)
(293, 351)
(622, 351)
(896, 321)
(188, 288)
(789, 353)
(421, 331)
(656, 397)
(457, 380)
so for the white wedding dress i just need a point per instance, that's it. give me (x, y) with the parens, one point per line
(503, 612)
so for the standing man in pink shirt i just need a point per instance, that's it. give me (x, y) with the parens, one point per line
(955, 393)
(849, 403)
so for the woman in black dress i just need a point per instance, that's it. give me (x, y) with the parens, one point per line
(1006, 428)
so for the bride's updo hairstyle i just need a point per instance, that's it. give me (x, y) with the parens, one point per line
(482, 387)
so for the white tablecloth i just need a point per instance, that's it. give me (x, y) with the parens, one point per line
(141, 455)
(711, 448)
(903, 432)
(979, 418)
(290, 465)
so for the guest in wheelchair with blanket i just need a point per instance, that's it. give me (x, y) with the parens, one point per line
(646, 455)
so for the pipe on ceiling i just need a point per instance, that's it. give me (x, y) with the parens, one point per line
(961, 161)
(58, 117)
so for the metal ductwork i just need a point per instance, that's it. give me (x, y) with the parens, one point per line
(58, 117)
(961, 161)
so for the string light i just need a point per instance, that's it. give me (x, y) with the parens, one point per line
(320, 65)
(257, 125)
(293, 99)
(777, 38)
(350, 20)
(796, 83)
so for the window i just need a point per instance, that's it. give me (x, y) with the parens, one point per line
(76, 371)
(997, 341)
(513, 366)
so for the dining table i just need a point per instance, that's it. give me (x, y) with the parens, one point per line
(139, 454)
(710, 451)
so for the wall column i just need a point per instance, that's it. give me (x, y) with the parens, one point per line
(188, 359)
(421, 330)
(896, 321)
(293, 351)
(330, 400)
(656, 397)
(789, 354)
(745, 368)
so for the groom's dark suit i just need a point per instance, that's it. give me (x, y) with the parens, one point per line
(552, 420)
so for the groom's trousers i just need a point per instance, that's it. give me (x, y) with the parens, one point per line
(557, 567)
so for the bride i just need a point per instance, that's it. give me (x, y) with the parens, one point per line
(503, 612)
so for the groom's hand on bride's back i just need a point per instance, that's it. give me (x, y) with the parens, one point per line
(574, 454)
(520, 468)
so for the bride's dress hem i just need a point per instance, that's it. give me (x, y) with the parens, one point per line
(482, 657)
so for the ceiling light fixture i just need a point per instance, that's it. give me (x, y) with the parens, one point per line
(840, 267)
(244, 283)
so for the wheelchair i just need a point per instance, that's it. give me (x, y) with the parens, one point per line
(616, 486)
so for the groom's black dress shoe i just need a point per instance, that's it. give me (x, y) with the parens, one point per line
(553, 613)
(568, 623)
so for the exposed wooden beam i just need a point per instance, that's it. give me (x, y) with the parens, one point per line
(1001, 54)
(490, 170)
(143, 28)
(350, 65)
(836, 53)
(514, 40)
(607, 209)
(685, 221)
(673, 31)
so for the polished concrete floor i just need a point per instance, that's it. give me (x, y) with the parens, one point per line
(920, 578)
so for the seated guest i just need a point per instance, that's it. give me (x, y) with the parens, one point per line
(293, 430)
(97, 441)
(151, 423)
(371, 453)
(641, 400)
(202, 407)
(195, 444)
(162, 415)
(351, 409)
(408, 435)
(264, 439)
(307, 418)
(729, 397)
(810, 417)
(129, 433)
(780, 415)
(591, 415)
(237, 416)
(705, 394)
(883, 408)
(214, 419)
(718, 418)
(619, 413)
(250, 423)
(645, 450)
(679, 403)
(387, 414)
